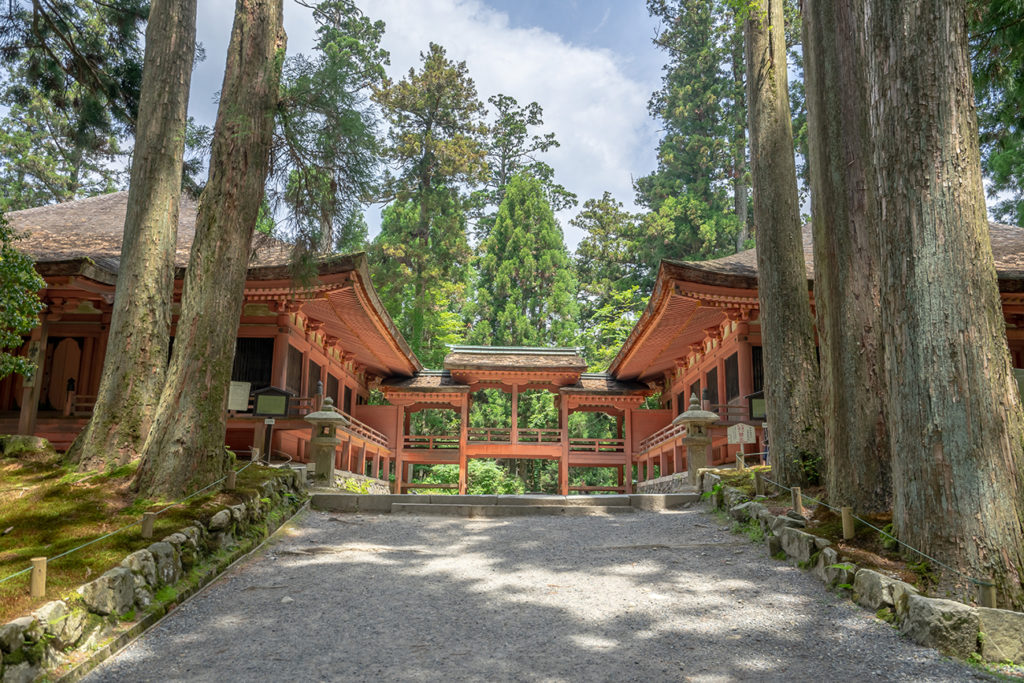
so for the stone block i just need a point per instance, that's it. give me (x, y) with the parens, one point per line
(141, 562)
(799, 545)
(873, 590)
(22, 673)
(220, 521)
(13, 634)
(440, 499)
(783, 522)
(900, 592)
(746, 511)
(112, 593)
(168, 564)
(949, 627)
(335, 502)
(774, 545)
(732, 497)
(708, 481)
(382, 502)
(1004, 635)
(832, 571)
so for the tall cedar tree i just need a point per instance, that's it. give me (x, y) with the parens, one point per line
(791, 369)
(185, 447)
(436, 150)
(526, 286)
(846, 277)
(692, 194)
(71, 92)
(997, 55)
(325, 154)
(954, 411)
(19, 302)
(135, 363)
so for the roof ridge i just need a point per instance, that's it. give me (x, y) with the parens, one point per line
(80, 200)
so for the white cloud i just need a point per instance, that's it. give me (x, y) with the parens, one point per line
(597, 112)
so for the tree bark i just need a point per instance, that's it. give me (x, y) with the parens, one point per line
(954, 411)
(739, 146)
(136, 359)
(846, 279)
(787, 332)
(185, 448)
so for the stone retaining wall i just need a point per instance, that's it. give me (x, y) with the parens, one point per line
(65, 638)
(673, 483)
(953, 628)
(360, 483)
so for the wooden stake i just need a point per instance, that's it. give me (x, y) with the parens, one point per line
(231, 480)
(758, 482)
(38, 583)
(148, 519)
(986, 594)
(798, 501)
(847, 522)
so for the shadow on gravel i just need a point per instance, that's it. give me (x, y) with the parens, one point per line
(637, 597)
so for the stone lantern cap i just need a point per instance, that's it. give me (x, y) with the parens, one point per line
(695, 415)
(327, 414)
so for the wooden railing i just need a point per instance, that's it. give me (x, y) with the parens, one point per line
(597, 445)
(489, 435)
(78, 405)
(669, 431)
(540, 436)
(430, 442)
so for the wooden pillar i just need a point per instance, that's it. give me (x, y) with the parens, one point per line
(622, 478)
(376, 464)
(618, 426)
(279, 365)
(626, 429)
(362, 459)
(399, 446)
(745, 362)
(30, 392)
(677, 457)
(463, 443)
(342, 460)
(85, 368)
(563, 461)
(720, 364)
(515, 414)
(662, 463)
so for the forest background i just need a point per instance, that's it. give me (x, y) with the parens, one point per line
(469, 248)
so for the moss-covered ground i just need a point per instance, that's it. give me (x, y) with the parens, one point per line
(47, 508)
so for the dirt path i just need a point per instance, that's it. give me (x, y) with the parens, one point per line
(638, 597)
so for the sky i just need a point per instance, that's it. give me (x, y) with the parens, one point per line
(589, 63)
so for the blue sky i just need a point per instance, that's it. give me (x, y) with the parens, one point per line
(590, 65)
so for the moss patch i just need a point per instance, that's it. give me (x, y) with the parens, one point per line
(50, 508)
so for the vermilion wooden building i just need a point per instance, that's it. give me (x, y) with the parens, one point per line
(700, 333)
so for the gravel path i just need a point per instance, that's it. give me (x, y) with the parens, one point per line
(629, 597)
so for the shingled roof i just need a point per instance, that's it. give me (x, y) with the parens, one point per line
(740, 269)
(425, 380)
(92, 229)
(515, 358)
(604, 384)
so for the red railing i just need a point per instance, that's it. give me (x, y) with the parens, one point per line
(489, 435)
(597, 445)
(431, 443)
(669, 431)
(540, 436)
(364, 430)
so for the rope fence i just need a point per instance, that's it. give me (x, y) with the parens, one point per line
(39, 564)
(986, 589)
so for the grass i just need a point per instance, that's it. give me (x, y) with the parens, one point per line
(46, 508)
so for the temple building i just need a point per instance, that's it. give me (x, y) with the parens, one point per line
(298, 344)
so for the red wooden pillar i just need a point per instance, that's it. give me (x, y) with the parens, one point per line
(677, 456)
(279, 365)
(563, 461)
(625, 427)
(463, 443)
(30, 394)
(745, 361)
(343, 459)
(398, 446)
(376, 464)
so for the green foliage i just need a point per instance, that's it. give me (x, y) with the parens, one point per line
(997, 55)
(434, 149)
(485, 477)
(526, 293)
(19, 302)
(887, 538)
(355, 486)
(326, 147)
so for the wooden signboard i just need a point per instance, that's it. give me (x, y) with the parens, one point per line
(742, 434)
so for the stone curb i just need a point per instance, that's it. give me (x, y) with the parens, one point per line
(953, 628)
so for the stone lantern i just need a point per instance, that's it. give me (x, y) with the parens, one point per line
(324, 440)
(698, 436)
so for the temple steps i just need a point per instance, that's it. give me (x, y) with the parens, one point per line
(498, 506)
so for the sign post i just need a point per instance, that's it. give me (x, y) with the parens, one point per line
(741, 434)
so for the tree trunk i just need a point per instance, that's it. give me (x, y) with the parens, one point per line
(846, 280)
(136, 359)
(185, 449)
(791, 371)
(955, 419)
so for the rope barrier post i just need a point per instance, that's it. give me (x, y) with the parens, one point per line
(148, 519)
(231, 480)
(847, 513)
(38, 582)
(987, 594)
(758, 483)
(798, 501)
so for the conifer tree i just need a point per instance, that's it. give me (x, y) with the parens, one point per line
(527, 288)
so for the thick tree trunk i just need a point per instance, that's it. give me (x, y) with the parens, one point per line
(787, 332)
(846, 280)
(136, 359)
(955, 419)
(185, 449)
